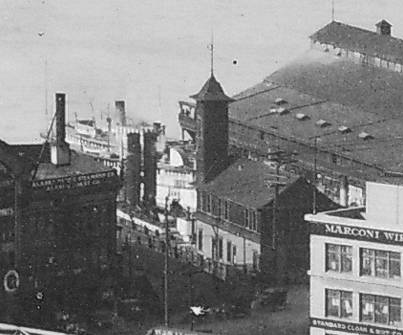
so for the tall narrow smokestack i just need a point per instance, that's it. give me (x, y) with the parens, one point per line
(150, 168)
(60, 150)
(60, 117)
(121, 112)
(133, 169)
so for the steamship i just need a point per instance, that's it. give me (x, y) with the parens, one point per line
(106, 139)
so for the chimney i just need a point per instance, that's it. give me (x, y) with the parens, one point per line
(133, 168)
(120, 111)
(59, 149)
(383, 28)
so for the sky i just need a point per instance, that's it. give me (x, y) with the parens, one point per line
(151, 53)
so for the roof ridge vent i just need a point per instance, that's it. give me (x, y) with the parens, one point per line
(280, 101)
(283, 111)
(344, 129)
(365, 136)
(322, 123)
(301, 116)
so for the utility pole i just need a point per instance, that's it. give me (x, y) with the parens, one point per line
(166, 265)
(275, 205)
(314, 200)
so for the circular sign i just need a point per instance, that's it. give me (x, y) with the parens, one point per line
(11, 281)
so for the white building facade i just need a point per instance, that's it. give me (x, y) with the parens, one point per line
(356, 269)
(175, 180)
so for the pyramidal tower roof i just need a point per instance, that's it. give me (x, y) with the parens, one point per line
(211, 91)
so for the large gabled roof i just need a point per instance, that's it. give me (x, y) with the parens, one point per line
(361, 40)
(341, 92)
(248, 183)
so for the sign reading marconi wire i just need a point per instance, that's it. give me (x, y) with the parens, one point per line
(357, 233)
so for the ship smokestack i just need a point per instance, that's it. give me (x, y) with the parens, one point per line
(133, 169)
(60, 117)
(150, 168)
(121, 112)
(60, 150)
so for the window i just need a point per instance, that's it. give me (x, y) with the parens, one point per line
(229, 249)
(378, 263)
(253, 221)
(178, 183)
(379, 309)
(234, 254)
(226, 210)
(200, 239)
(220, 248)
(255, 260)
(338, 258)
(218, 204)
(208, 203)
(339, 304)
(213, 248)
(246, 218)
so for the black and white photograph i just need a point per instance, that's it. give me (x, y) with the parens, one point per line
(189, 167)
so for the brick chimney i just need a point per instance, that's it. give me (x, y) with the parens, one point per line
(59, 148)
(384, 28)
(133, 169)
(150, 168)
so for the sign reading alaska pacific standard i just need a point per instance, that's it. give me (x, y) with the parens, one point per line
(72, 181)
(357, 233)
(350, 327)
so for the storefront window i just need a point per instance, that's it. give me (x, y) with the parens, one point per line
(339, 304)
(338, 258)
(378, 263)
(380, 309)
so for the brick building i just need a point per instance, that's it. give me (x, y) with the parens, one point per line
(58, 231)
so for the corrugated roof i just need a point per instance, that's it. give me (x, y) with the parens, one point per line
(247, 182)
(361, 40)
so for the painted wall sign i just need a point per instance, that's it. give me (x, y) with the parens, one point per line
(357, 233)
(11, 281)
(350, 327)
(72, 181)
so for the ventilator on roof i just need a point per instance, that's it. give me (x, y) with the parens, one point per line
(322, 123)
(344, 129)
(302, 116)
(280, 101)
(365, 136)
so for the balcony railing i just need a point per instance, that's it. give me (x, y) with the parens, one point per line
(188, 254)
